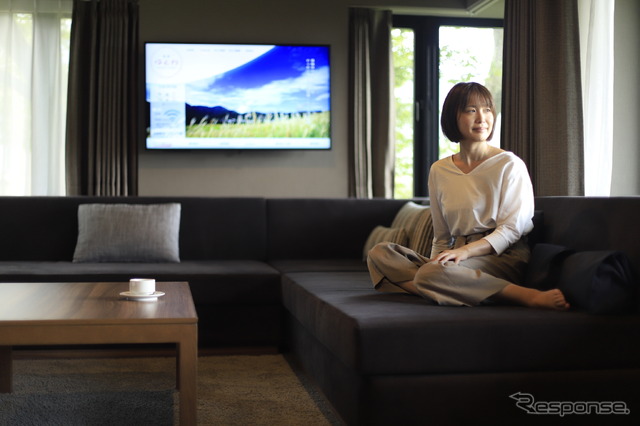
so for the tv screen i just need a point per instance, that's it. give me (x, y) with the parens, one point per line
(237, 96)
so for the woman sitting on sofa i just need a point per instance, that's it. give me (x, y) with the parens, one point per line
(482, 206)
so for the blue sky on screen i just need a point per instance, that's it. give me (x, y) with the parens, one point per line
(283, 79)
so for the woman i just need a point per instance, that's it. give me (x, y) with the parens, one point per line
(482, 208)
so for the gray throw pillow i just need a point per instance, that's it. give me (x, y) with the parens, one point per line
(128, 233)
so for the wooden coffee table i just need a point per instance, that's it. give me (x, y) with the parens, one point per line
(95, 313)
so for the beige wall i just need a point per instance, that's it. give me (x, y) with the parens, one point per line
(324, 174)
(247, 173)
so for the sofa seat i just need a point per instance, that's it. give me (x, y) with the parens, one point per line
(211, 281)
(319, 265)
(368, 331)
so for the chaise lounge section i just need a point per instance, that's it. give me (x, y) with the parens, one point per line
(393, 358)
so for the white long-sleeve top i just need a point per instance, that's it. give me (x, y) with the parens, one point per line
(497, 194)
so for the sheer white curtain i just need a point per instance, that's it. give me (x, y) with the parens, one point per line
(596, 55)
(33, 90)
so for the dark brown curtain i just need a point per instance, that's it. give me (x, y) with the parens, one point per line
(542, 97)
(371, 116)
(101, 151)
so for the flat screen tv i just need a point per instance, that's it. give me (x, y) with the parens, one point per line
(237, 96)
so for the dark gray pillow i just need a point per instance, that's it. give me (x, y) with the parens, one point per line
(128, 233)
(600, 282)
(545, 266)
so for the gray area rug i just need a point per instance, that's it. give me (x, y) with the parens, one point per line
(232, 390)
(88, 408)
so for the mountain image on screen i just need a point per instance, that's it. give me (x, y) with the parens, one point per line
(282, 93)
(237, 96)
(221, 115)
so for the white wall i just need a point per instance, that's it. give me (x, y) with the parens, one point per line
(626, 109)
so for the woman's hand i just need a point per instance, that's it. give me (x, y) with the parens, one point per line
(454, 255)
(476, 248)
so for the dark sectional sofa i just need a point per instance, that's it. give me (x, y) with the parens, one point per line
(290, 273)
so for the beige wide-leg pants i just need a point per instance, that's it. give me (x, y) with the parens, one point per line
(469, 283)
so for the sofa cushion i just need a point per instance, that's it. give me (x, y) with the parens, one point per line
(319, 265)
(545, 266)
(382, 234)
(128, 233)
(209, 226)
(415, 219)
(324, 228)
(601, 282)
(392, 333)
(593, 223)
(598, 281)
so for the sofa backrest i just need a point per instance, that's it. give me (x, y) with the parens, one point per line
(46, 228)
(324, 228)
(592, 223)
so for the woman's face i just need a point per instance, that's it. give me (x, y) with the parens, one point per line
(475, 121)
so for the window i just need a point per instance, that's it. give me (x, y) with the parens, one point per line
(404, 72)
(34, 47)
(430, 55)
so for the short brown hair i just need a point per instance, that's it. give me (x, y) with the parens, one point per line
(456, 101)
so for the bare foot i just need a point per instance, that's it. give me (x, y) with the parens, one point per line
(550, 299)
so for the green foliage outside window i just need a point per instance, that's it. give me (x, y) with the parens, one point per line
(403, 62)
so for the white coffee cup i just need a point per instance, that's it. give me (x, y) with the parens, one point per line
(141, 286)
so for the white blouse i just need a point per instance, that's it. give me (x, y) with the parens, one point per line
(497, 194)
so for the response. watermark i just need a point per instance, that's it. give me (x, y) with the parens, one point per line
(526, 402)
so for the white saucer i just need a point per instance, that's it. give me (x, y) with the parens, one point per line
(135, 296)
